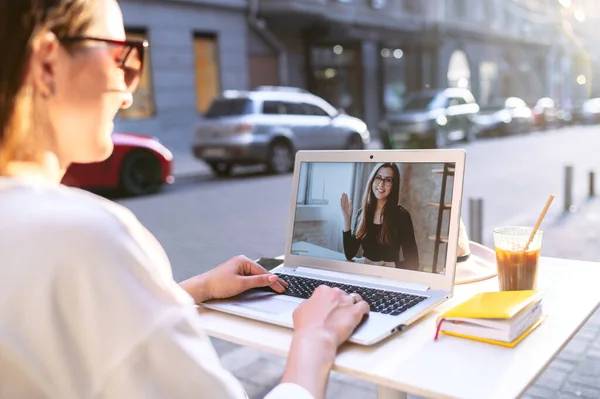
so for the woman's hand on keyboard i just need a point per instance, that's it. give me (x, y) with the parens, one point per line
(331, 312)
(231, 278)
(321, 324)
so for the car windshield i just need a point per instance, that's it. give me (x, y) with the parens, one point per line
(422, 102)
(493, 106)
(229, 107)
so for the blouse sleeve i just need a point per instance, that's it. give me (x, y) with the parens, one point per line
(129, 330)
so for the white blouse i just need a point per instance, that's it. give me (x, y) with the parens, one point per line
(89, 307)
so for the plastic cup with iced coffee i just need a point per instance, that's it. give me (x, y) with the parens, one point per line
(517, 267)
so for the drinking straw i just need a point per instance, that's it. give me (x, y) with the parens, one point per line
(539, 221)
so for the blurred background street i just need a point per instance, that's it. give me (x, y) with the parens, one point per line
(202, 220)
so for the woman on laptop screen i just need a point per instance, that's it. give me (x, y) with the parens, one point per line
(383, 228)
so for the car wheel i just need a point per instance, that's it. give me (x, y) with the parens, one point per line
(141, 173)
(355, 143)
(281, 157)
(221, 169)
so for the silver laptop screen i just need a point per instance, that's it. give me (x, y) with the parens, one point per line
(381, 214)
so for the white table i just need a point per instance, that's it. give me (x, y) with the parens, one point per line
(412, 362)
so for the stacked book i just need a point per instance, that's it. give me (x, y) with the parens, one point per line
(502, 318)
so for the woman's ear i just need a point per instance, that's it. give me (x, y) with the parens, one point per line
(42, 64)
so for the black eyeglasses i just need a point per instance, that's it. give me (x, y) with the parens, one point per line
(387, 181)
(131, 61)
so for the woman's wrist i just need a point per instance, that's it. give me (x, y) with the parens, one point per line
(319, 339)
(196, 287)
(346, 225)
(311, 357)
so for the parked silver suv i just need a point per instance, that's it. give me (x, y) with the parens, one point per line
(268, 125)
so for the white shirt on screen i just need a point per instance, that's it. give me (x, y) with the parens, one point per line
(89, 307)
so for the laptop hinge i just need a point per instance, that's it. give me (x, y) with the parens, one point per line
(363, 278)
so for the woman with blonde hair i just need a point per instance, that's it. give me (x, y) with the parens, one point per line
(88, 304)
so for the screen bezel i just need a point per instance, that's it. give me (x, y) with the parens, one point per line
(443, 282)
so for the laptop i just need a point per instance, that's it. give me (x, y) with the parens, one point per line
(338, 236)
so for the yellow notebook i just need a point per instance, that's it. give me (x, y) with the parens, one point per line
(502, 318)
(511, 344)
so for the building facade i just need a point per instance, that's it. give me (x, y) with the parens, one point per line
(198, 48)
(363, 56)
(581, 18)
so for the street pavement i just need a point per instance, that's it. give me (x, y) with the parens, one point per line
(515, 176)
(202, 220)
(186, 165)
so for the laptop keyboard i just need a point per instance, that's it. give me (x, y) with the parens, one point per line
(380, 301)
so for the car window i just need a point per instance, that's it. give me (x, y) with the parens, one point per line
(418, 103)
(458, 100)
(294, 108)
(328, 108)
(311, 109)
(421, 102)
(229, 107)
(273, 108)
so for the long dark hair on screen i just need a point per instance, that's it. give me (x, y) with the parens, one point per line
(387, 233)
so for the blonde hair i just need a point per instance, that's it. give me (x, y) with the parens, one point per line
(21, 24)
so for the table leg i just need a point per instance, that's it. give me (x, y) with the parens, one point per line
(390, 393)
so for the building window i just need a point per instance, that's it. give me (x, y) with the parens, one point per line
(378, 4)
(312, 184)
(412, 6)
(335, 75)
(488, 75)
(488, 10)
(459, 71)
(461, 8)
(393, 78)
(491, 14)
(208, 81)
(143, 99)
(456, 9)
(509, 21)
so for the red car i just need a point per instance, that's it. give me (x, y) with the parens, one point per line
(139, 165)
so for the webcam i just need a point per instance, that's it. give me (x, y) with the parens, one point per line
(371, 157)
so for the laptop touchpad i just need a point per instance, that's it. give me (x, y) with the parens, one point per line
(268, 305)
